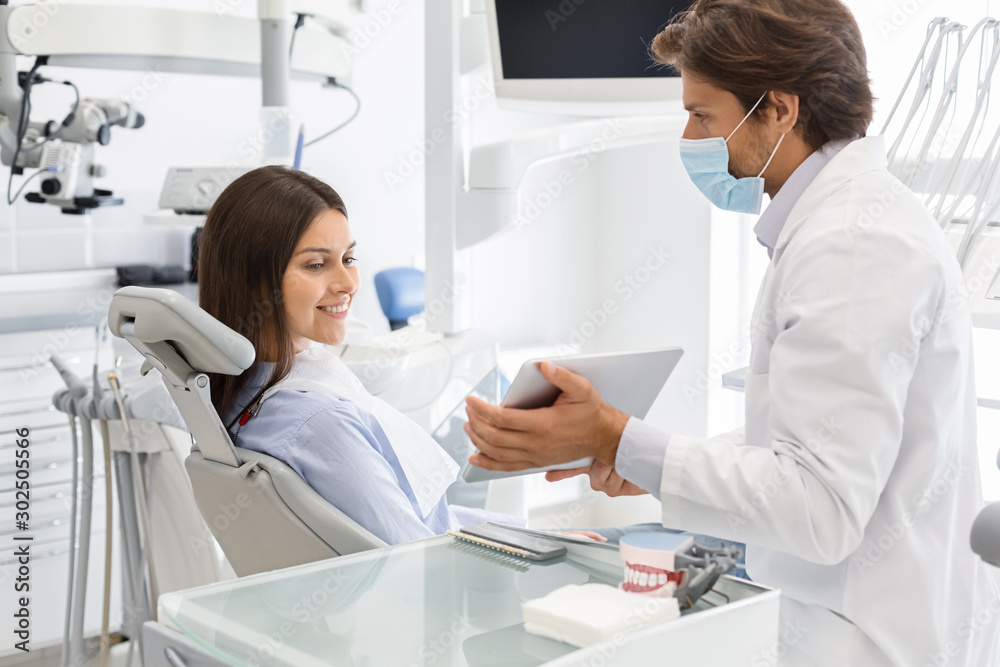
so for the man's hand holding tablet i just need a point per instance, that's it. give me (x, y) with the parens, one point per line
(553, 415)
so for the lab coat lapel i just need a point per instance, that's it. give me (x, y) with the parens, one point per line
(858, 157)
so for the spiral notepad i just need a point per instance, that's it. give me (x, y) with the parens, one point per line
(509, 542)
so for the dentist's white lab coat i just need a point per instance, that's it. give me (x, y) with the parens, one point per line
(858, 481)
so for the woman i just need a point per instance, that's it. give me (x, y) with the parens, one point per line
(278, 264)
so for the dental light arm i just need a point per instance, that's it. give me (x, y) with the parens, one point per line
(497, 170)
(154, 40)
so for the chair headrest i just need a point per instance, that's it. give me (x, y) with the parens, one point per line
(162, 315)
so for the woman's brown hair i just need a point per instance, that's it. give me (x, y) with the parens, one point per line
(809, 48)
(248, 240)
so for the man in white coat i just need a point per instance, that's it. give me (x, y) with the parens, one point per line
(855, 481)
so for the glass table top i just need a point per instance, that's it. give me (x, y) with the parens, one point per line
(437, 601)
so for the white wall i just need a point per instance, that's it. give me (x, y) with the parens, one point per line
(893, 30)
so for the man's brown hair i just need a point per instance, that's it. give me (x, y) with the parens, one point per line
(809, 48)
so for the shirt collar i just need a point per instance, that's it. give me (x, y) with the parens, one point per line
(772, 220)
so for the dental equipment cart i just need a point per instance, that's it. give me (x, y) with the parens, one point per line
(436, 601)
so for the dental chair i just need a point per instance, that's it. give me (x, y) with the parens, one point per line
(264, 516)
(986, 532)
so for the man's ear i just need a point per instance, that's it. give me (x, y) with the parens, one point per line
(784, 110)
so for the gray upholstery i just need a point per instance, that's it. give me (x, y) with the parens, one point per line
(270, 518)
(204, 342)
(262, 513)
(986, 534)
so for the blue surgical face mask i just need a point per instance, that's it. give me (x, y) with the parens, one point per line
(707, 163)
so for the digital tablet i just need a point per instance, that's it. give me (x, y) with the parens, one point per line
(629, 381)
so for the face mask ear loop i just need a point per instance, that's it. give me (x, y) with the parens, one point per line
(745, 117)
(773, 153)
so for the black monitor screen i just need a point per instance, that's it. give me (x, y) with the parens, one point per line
(582, 39)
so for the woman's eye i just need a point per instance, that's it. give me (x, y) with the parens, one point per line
(350, 261)
(314, 267)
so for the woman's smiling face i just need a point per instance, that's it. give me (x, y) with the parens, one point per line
(320, 281)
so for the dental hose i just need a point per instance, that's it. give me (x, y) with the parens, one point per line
(71, 403)
(108, 523)
(86, 511)
(74, 481)
(139, 497)
(108, 505)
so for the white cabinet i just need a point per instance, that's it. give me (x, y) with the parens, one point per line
(27, 383)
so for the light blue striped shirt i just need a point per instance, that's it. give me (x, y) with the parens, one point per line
(341, 451)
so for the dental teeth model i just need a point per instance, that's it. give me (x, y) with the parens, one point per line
(661, 564)
(650, 562)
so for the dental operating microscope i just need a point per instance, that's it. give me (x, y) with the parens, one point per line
(61, 150)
